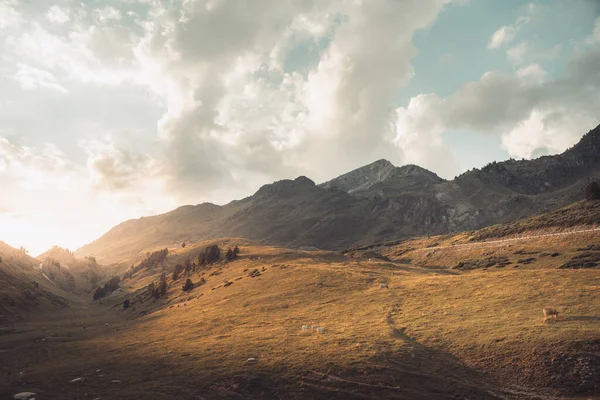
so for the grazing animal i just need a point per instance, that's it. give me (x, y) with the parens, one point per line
(550, 312)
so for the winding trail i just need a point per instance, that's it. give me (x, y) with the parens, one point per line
(493, 242)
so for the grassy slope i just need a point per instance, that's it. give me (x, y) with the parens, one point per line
(435, 333)
(19, 296)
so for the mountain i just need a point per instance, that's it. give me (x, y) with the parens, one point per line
(70, 273)
(374, 203)
(24, 288)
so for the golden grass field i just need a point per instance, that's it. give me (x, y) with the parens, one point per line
(435, 332)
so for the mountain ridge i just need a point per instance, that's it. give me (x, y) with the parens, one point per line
(372, 203)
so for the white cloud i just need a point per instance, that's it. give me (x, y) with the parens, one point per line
(507, 34)
(58, 15)
(9, 16)
(532, 71)
(34, 169)
(544, 133)
(419, 128)
(517, 53)
(502, 36)
(340, 110)
(107, 13)
(534, 116)
(31, 78)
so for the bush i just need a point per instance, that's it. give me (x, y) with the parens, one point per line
(99, 293)
(592, 191)
(162, 285)
(109, 287)
(211, 255)
(151, 289)
(189, 285)
(126, 304)
(177, 271)
(150, 261)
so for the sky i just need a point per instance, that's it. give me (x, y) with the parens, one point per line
(112, 110)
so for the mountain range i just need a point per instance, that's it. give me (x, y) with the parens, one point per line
(375, 203)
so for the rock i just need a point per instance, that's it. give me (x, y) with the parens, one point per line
(98, 370)
(116, 381)
(383, 286)
(77, 380)
(251, 360)
(24, 396)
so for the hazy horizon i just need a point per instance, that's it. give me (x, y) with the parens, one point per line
(118, 110)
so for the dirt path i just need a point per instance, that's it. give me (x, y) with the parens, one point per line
(497, 242)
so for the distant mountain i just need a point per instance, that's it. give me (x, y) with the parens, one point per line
(69, 273)
(23, 286)
(377, 202)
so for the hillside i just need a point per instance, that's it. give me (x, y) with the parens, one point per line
(24, 289)
(410, 321)
(375, 203)
(70, 273)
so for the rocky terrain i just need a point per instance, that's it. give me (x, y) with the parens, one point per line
(375, 203)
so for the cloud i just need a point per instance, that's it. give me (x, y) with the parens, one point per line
(32, 168)
(516, 54)
(532, 115)
(58, 15)
(214, 133)
(507, 34)
(9, 16)
(418, 130)
(532, 71)
(115, 169)
(31, 78)
(502, 36)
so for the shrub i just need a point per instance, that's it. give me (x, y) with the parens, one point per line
(162, 285)
(592, 191)
(150, 261)
(151, 289)
(126, 304)
(99, 293)
(229, 255)
(177, 271)
(183, 245)
(189, 285)
(109, 287)
(236, 251)
(211, 255)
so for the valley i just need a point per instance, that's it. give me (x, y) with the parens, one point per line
(404, 321)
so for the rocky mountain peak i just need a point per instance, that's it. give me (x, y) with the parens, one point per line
(362, 178)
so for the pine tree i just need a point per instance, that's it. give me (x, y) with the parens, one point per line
(229, 256)
(189, 285)
(162, 285)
